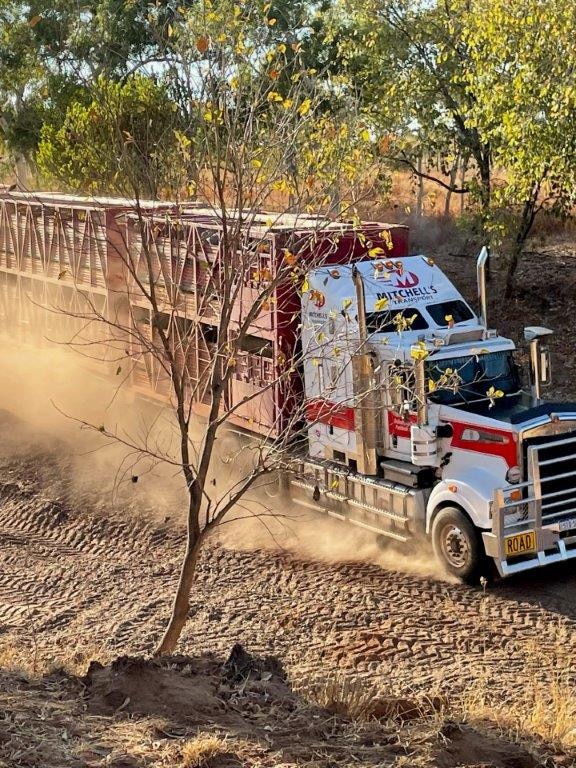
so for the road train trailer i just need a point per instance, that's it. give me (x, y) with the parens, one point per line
(417, 421)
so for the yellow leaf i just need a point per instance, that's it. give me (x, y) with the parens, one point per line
(255, 163)
(347, 303)
(419, 353)
(274, 96)
(287, 103)
(170, 30)
(315, 361)
(373, 252)
(449, 318)
(381, 304)
(321, 337)
(305, 287)
(431, 385)
(334, 484)
(304, 108)
(365, 135)
(271, 22)
(281, 48)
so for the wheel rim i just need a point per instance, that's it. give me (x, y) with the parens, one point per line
(455, 546)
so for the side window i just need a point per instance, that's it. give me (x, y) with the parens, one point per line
(390, 321)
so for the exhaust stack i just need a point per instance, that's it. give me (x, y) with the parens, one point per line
(364, 385)
(481, 277)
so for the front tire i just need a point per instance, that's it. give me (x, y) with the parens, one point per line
(457, 544)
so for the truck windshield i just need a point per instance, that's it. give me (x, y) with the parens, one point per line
(459, 380)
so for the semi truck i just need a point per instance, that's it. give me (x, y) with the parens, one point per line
(417, 421)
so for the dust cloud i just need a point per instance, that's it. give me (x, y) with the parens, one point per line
(48, 395)
(50, 391)
(276, 524)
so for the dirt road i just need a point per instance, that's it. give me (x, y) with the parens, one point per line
(78, 578)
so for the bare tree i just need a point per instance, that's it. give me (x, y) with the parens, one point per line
(203, 296)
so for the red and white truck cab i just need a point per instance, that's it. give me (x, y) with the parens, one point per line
(418, 423)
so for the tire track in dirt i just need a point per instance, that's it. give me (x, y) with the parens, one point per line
(107, 582)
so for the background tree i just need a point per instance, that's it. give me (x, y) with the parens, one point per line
(524, 65)
(138, 119)
(415, 73)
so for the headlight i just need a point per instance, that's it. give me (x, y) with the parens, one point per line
(514, 475)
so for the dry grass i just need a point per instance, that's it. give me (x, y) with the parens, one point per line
(21, 656)
(543, 706)
(198, 752)
(545, 709)
(342, 694)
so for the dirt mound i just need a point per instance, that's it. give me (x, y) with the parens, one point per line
(181, 689)
(249, 697)
(466, 747)
(195, 691)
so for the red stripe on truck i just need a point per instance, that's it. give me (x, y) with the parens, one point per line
(333, 414)
(491, 442)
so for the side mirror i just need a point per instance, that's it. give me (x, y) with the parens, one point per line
(545, 366)
(540, 369)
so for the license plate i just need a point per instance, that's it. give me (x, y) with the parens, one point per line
(520, 544)
(567, 525)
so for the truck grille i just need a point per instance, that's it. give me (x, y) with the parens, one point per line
(555, 464)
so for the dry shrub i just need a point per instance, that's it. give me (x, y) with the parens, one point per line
(198, 752)
(21, 656)
(15, 659)
(544, 707)
(341, 694)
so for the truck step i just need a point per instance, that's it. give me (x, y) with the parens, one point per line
(404, 472)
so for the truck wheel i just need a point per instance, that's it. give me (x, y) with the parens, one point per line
(457, 544)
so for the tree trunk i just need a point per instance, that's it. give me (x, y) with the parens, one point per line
(420, 197)
(453, 174)
(181, 604)
(463, 170)
(529, 211)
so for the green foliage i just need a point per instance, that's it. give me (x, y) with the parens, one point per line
(123, 139)
(525, 97)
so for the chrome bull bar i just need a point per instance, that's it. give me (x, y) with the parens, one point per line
(534, 522)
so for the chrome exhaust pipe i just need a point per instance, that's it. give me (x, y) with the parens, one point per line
(481, 278)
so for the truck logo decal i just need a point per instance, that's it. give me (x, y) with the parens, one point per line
(394, 275)
(408, 293)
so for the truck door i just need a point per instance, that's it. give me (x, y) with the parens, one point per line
(401, 410)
